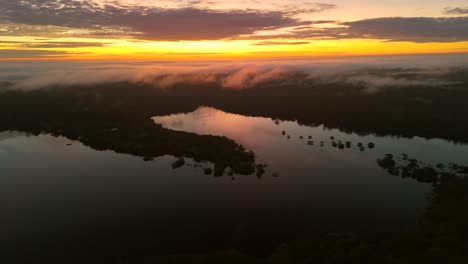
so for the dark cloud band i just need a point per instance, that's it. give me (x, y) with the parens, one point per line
(16, 54)
(53, 44)
(418, 29)
(272, 43)
(144, 22)
(116, 20)
(457, 11)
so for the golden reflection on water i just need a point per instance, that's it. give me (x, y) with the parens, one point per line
(206, 120)
(303, 148)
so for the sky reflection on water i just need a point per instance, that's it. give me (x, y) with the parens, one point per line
(55, 189)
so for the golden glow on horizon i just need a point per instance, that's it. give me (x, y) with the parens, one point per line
(182, 50)
(240, 29)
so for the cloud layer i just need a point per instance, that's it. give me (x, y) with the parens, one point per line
(415, 29)
(195, 20)
(372, 74)
(456, 11)
(422, 29)
(143, 22)
(15, 53)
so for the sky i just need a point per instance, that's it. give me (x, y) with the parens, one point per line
(222, 29)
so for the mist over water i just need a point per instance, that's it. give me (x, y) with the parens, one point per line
(421, 70)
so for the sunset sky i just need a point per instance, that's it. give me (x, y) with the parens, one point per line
(222, 29)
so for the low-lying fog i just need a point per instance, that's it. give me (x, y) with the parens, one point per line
(372, 72)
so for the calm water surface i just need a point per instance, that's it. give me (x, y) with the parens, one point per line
(56, 194)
